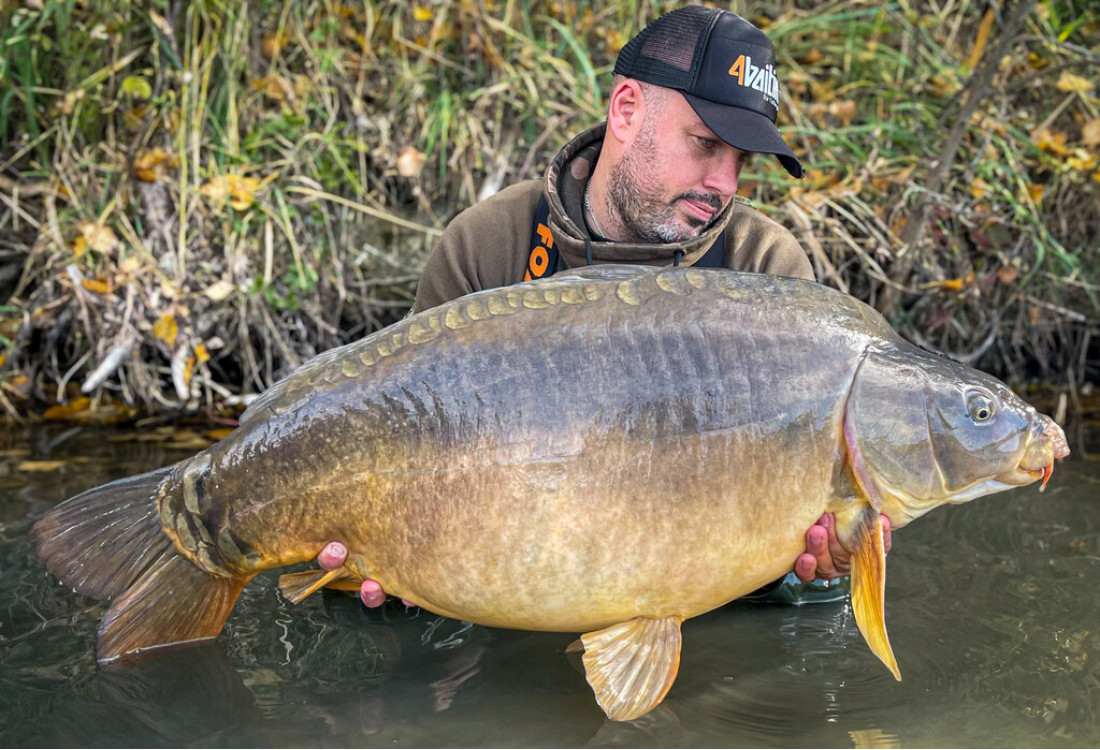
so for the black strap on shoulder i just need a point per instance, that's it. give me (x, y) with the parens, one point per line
(715, 257)
(544, 258)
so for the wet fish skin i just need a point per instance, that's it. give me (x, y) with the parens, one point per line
(593, 452)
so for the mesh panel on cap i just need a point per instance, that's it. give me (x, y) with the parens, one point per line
(664, 52)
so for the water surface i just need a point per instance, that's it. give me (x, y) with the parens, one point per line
(992, 610)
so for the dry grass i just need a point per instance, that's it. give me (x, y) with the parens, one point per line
(195, 199)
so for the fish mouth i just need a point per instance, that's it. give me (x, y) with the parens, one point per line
(1048, 444)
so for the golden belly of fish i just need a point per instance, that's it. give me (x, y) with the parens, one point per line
(610, 452)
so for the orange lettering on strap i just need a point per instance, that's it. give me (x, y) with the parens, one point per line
(537, 263)
(545, 236)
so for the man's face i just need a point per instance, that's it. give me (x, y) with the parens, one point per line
(675, 176)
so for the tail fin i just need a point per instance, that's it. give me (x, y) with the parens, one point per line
(108, 543)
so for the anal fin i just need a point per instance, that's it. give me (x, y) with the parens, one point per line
(297, 586)
(631, 665)
(869, 588)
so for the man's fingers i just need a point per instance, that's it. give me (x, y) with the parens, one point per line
(371, 593)
(805, 567)
(332, 556)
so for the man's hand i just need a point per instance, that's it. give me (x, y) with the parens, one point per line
(824, 556)
(334, 555)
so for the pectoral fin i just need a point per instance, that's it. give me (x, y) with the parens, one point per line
(869, 588)
(297, 586)
(632, 665)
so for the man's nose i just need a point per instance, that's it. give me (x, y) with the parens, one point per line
(726, 172)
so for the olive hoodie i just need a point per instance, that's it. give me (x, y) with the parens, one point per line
(488, 244)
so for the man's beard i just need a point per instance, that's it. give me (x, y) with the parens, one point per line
(635, 195)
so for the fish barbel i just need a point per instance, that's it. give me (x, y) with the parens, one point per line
(609, 451)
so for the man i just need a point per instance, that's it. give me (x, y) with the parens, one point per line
(693, 95)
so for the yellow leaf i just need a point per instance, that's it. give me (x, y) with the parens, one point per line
(1054, 143)
(1070, 82)
(1081, 162)
(218, 433)
(201, 352)
(272, 44)
(978, 187)
(79, 245)
(231, 188)
(166, 329)
(420, 13)
(64, 411)
(152, 164)
(95, 285)
(98, 237)
(40, 465)
(1035, 192)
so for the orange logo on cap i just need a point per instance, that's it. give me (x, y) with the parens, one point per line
(754, 77)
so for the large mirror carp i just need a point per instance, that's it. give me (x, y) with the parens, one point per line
(607, 452)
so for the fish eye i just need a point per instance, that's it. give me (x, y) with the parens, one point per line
(980, 407)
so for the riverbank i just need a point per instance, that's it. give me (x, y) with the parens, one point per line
(196, 198)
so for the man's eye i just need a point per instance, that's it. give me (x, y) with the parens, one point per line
(706, 144)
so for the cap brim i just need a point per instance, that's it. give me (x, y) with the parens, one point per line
(746, 130)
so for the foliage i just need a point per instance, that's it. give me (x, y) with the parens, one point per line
(196, 197)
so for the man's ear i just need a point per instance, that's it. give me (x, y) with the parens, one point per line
(625, 110)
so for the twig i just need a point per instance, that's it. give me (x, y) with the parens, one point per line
(118, 353)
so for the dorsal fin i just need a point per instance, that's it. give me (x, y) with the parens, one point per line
(604, 272)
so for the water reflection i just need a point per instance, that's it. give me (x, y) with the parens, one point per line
(990, 606)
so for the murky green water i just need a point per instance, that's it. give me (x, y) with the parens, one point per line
(992, 607)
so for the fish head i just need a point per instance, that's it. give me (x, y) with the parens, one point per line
(923, 431)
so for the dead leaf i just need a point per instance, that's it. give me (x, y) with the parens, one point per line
(273, 44)
(96, 285)
(980, 42)
(1051, 142)
(1074, 83)
(409, 161)
(98, 237)
(234, 189)
(274, 87)
(201, 353)
(1090, 133)
(219, 290)
(1007, 274)
(153, 164)
(40, 465)
(166, 329)
(951, 285)
(843, 111)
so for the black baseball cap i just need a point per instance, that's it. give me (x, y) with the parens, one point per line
(725, 68)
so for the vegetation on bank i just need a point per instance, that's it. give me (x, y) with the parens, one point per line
(197, 197)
